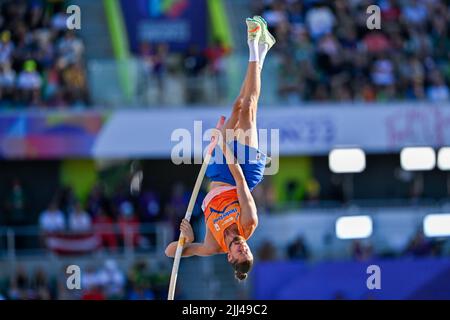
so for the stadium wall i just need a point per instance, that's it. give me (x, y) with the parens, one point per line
(139, 133)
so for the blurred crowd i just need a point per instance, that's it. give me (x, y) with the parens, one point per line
(324, 52)
(41, 61)
(327, 52)
(359, 250)
(116, 217)
(113, 214)
(107, 280)
(201, 70)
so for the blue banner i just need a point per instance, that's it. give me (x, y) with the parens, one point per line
(400, 279)
(178, 23)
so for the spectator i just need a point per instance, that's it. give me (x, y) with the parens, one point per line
(361, 251)
(91, 283)
(414, 12)
(19, 285)
(70, 49)
(194, 64)
(160, 68)
(52, 219)
(376, 42)
(59, 20)
(89, 278)
(419, 245)
(7, 84)
(6, 48)
(438, 90)
(94, 293)
(353, 63)
(35, 51)
(129, 225)
(29, 83)
(75, 84)
(291, 190)
(297, 249)
(177, 205)
(150, 206)
(264, 196)
(79, 220)
(383, 72)
(139, 274)
(104, 227)
(16, 204)
(320, 21)
(141, 293)
(96, 200)
(40, 285)
(53, 85)
(66, 198)
(275, 15)
(215, 55)
(267, 251)
(112, 280)
(312, 190)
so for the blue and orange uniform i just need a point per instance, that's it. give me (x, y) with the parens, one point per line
(221, 208)
(221, 205)
(251, 160)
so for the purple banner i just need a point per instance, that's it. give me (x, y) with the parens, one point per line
(178, 23)
(49, 135)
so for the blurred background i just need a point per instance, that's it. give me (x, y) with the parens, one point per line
(86, 117)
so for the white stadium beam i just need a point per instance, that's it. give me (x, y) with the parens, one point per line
(443, 161)
(354, 227)
(418, 158)
(437, 225)
(347, 160)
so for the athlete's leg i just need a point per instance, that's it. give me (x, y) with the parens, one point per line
(248, 99)
(254, 30)
(248, 90)
(243, 117)
(246, 127)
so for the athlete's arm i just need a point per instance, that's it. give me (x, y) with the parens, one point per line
(249, 216)
(190, 248)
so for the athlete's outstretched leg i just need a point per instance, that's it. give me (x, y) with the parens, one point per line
(259, 42)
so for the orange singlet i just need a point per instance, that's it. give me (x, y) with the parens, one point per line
(221, 208)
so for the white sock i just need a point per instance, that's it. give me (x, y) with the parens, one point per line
(254, 53)
(263, 48)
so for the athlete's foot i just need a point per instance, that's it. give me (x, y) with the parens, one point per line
(266, 36)
(254, 29)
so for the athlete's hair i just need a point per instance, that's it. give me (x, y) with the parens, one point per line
(241, 269)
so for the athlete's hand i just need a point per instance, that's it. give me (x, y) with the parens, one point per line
(187, 231)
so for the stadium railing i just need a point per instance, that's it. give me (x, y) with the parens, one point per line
(33, 241)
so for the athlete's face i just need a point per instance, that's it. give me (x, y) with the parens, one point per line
(239, 251)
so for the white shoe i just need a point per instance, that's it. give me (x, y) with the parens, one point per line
(266, 36)
(254, 29)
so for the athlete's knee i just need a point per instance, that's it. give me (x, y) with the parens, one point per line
(249, 103)
(250, 100)
(247, 113)
(237, 105)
